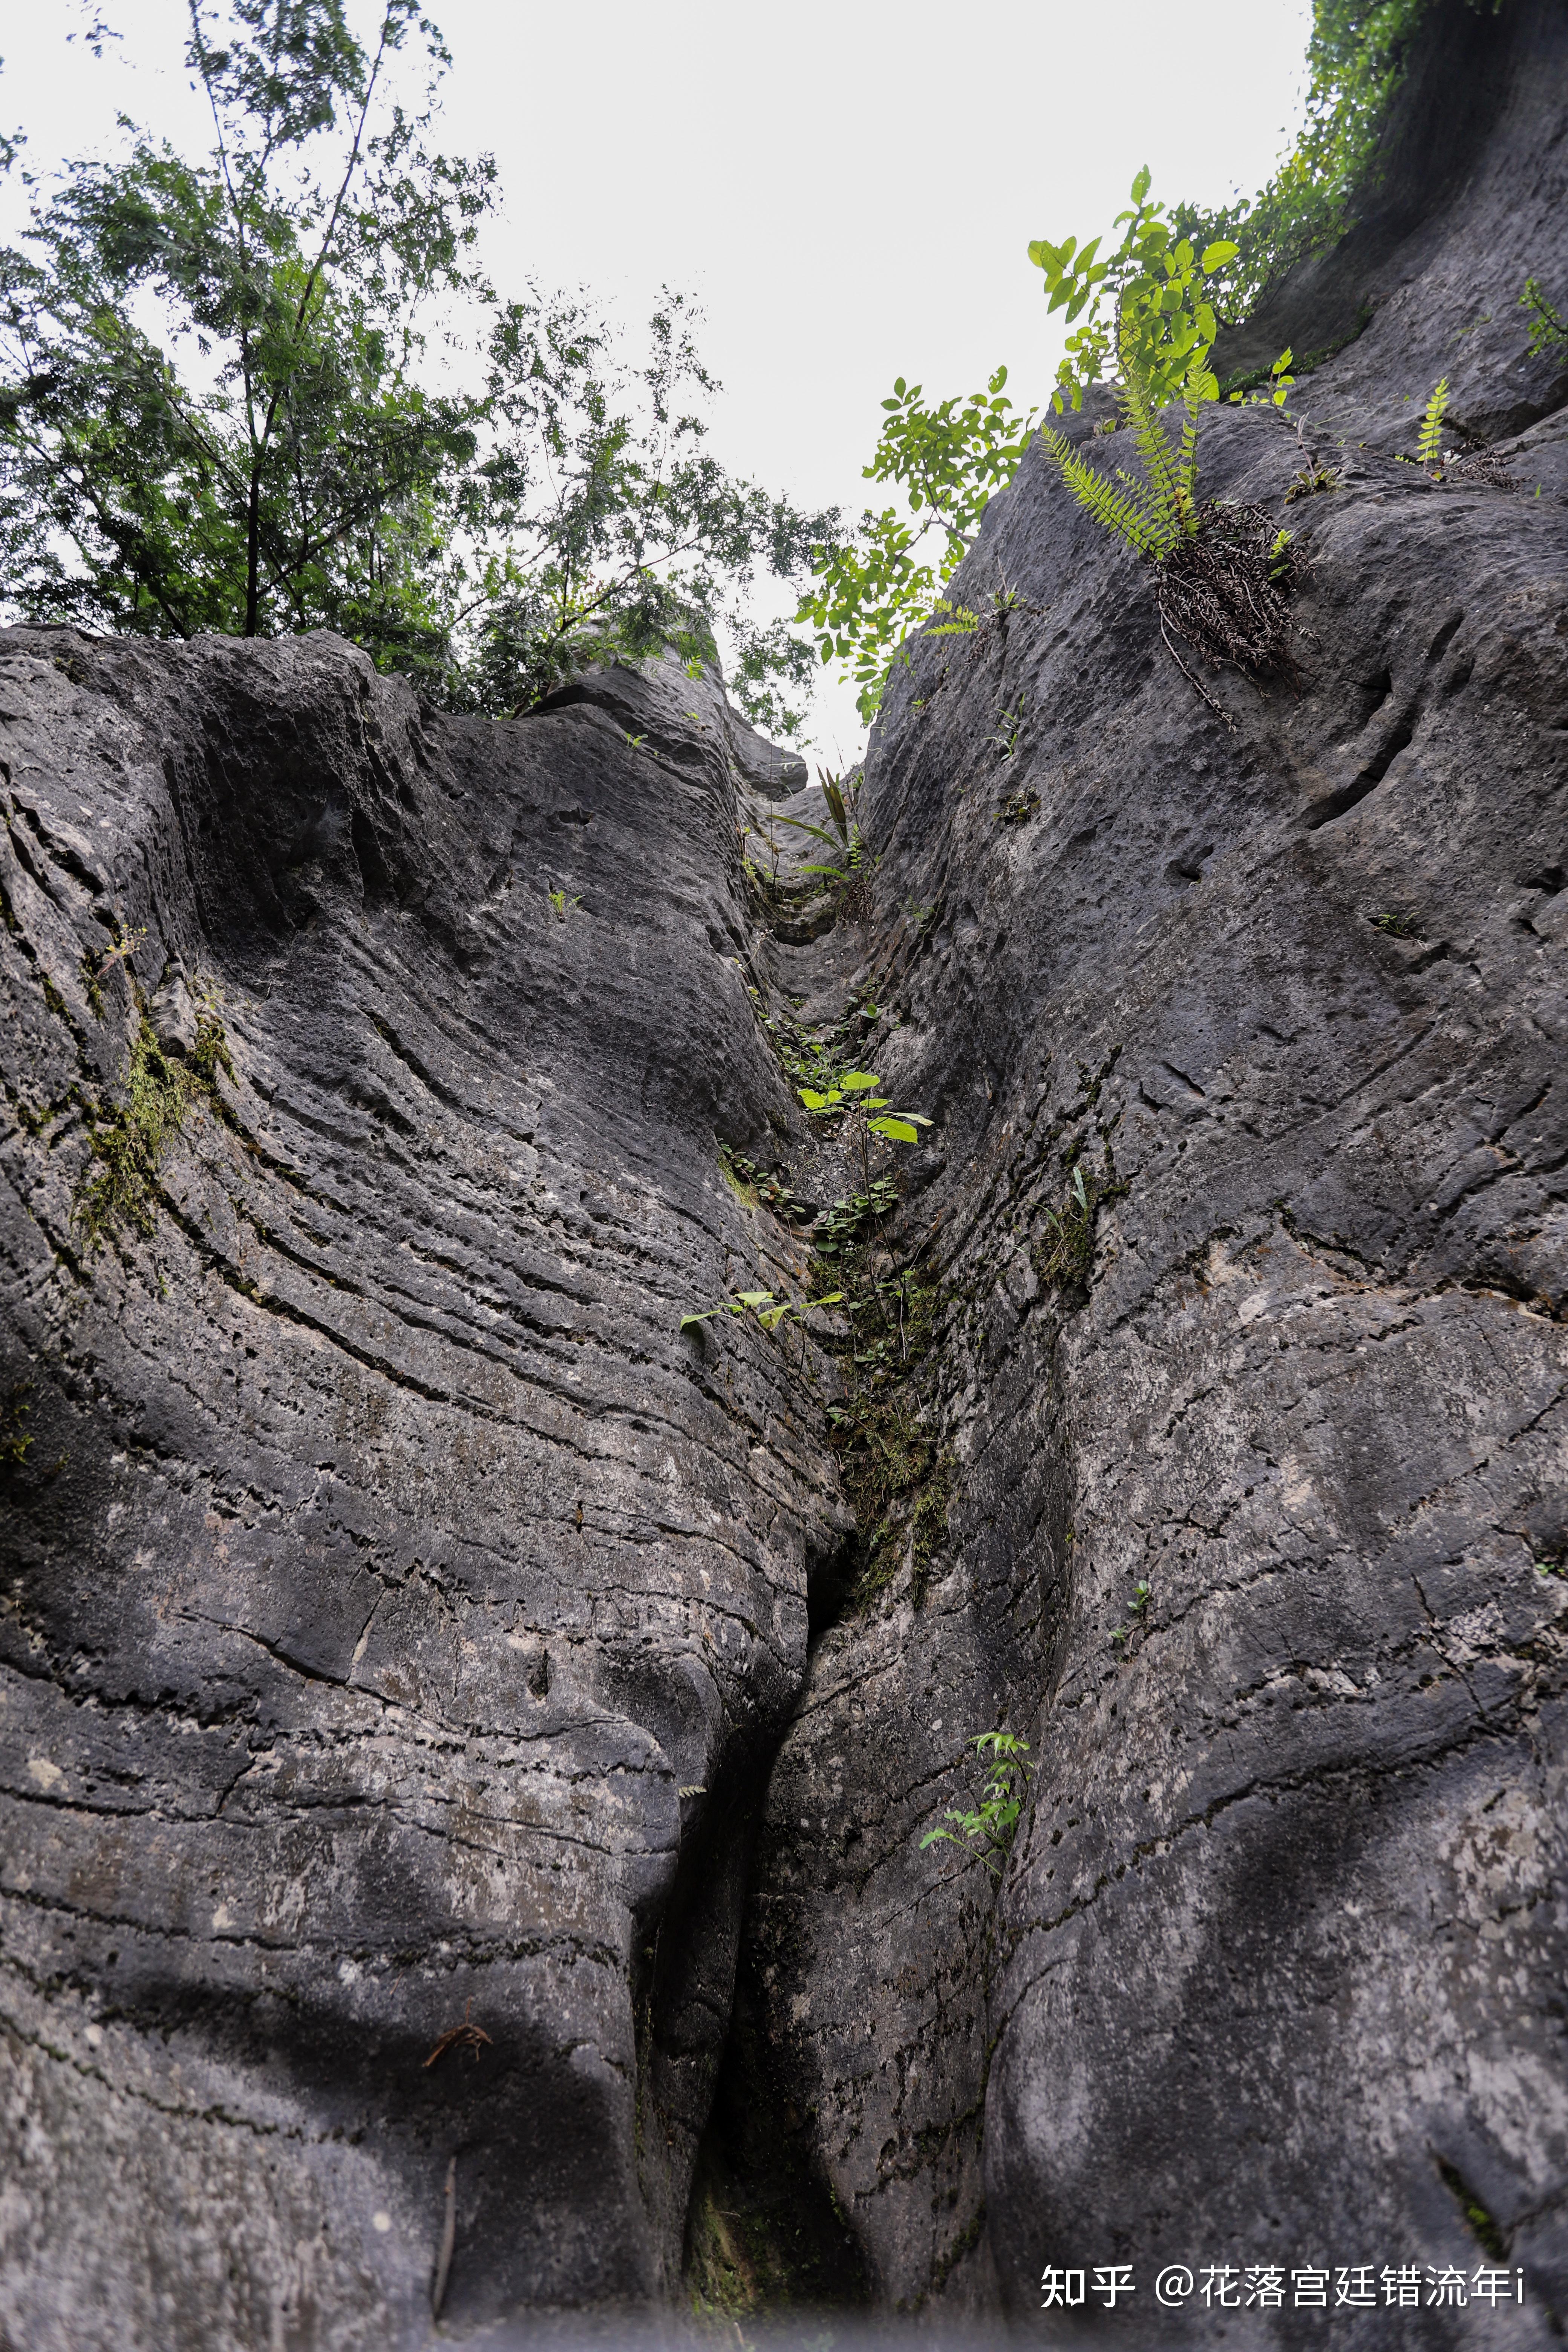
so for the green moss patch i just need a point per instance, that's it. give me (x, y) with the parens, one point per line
(128, 1139)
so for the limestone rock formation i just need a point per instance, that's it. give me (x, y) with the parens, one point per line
(450, 1714)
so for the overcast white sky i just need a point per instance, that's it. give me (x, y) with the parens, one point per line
(848, 187)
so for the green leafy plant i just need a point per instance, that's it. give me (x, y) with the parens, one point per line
(847, 1218)
(988, 1828)
(1312, 481)
(1146, 304)
(768, 1309)
(98, 962)
(853, 1099)
(1137, 1611)
(758, 1186)
(1221, 570)
(872, 593)
(1397, 926)
(1009, 728)
(1548, 326)
(845, 841)
(1429, 441)
(560, 904)
(1067, 1255)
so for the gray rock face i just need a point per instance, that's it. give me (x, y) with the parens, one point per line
(1273, 1976)
(396, 1610)
(406, 1630)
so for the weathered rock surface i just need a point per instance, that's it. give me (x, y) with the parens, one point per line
(1276, 1972)
(404, 1624)
(395, 1611)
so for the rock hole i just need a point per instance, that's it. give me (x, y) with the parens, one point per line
(1350, 795)
(829, 1581)
(1189, 868)
(1444, 638)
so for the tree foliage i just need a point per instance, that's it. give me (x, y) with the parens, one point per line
(209, 409)
(872, 592)
(595, 520)
(218, 409)
(1147, 304)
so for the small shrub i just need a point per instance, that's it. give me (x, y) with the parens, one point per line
(987, 1829)
(1548, 328)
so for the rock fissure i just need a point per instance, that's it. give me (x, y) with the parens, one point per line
(386, 1656)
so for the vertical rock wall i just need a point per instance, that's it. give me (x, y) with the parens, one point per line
(410, 1643)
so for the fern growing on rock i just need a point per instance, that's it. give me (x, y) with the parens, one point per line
(1157, 514)
(1429, 441)
(1221, 569)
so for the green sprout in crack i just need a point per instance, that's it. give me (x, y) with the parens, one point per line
(1009, 727)
(560, 904)
(987, 1829)
(98, 962)
(13, 1442)
(1067, 1255)
(1137, 1611)
(768, 1308)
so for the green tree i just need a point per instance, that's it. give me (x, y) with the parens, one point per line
(259, 457)
(595, 523)
(216, 411)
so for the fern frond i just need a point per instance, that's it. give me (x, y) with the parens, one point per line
(1131, 513)
(1429, 447)
(1149, 437)
(1193, 398)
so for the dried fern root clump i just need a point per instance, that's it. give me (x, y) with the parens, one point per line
(1223, 592)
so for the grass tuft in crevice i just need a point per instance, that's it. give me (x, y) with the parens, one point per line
(128, 1139)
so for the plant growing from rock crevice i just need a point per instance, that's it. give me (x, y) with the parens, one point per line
(1548, 326)
(128, 1139)
(1221, 570)
(1429, 441)
(986, 1828)
(848, 866)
